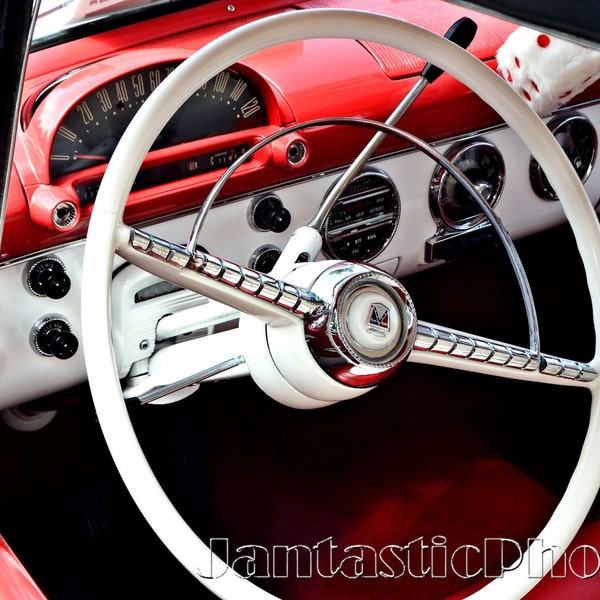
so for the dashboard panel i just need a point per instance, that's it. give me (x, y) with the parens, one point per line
(308, 80)
(402, 212)
(391, 224)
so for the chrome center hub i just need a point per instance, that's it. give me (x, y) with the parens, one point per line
(370, 322)
(369, 328)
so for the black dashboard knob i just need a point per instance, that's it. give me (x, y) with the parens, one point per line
(62, 344)
(53, 337)
(47, 277)
(56, 284)
(269, 214)
(264, 258)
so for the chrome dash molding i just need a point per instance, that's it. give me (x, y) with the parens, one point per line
(431, 338)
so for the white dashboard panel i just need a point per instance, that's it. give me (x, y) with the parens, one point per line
(25, 374)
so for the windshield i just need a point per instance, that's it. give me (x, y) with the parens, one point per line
(55, 16)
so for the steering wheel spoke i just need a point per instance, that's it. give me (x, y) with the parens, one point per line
(446, 347)
(271, 300)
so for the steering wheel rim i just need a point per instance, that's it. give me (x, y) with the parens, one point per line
(102, 243)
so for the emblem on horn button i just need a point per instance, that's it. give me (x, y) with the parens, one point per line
(379, 318)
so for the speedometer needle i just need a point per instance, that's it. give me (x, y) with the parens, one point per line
(90, 157)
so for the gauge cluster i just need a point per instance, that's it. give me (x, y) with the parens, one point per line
(88, 134)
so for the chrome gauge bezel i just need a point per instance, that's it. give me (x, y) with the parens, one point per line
(364, 223)
(561, 127)
(490, 162)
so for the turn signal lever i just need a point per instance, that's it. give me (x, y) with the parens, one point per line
(461, 33)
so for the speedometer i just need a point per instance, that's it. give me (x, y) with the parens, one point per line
(91, 130)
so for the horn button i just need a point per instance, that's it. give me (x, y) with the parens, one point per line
(369, 328)
(369, 323)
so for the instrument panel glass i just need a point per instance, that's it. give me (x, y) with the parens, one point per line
(89, 133)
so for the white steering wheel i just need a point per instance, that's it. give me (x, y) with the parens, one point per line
(280, 307)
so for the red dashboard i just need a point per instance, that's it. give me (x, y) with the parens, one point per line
(80, 96)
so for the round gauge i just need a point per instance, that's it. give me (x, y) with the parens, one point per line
(91, 130)
(363, 219)
(577, 137)
(451, 203)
